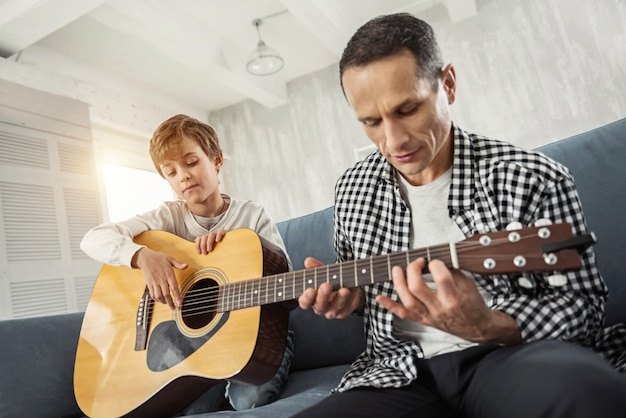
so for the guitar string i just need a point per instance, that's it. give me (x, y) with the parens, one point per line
(377, 262)
(196, 301)
(240, 300)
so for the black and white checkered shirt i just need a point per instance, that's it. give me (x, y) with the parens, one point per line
(493, 184)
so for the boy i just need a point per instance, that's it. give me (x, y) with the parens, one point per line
(187, 154)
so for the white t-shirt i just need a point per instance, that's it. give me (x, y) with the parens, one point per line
(112, 243)
(431, 225)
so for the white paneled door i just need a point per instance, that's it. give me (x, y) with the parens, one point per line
(48, 199)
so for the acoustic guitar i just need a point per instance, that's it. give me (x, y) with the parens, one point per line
(139, 358)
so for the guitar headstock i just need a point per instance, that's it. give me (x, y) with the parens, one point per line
(542, 248)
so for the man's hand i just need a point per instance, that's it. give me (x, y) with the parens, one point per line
(326, 302)
(159, 275)
(456, 307)
(206, 243)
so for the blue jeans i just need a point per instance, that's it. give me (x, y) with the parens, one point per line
(243, 396)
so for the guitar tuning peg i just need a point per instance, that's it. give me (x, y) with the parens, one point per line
(557, 280)
(514, 226)
(543, 222)
(526, 282)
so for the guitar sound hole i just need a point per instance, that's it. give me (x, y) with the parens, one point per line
(199, 303)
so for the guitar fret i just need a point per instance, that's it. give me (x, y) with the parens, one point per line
(341, 275)
(237, 298)
(246, 302)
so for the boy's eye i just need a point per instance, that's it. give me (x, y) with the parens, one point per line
(169, 173)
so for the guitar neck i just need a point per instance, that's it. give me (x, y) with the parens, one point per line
(288, 286)
(544, 248)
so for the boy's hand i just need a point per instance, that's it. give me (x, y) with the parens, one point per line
(206, 243)
(159, 275)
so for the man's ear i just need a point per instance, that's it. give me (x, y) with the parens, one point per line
(448, 79)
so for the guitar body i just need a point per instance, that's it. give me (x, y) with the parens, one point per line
(138, 358)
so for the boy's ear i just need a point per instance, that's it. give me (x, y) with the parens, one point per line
(219, 161)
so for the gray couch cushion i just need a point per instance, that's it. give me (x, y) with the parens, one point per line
(319, 342)
(590, 156)
(310, 235)
(36, 363)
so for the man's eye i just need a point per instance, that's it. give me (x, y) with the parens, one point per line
(192, 163)
(407, 110)
(370, 122)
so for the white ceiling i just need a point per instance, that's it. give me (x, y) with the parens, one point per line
(189, 51)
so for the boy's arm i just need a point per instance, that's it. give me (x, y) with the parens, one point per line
(112, 243)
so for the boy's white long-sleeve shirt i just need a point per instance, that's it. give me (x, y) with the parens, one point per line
(112, 243)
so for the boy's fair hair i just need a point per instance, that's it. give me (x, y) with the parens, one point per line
(174, 130)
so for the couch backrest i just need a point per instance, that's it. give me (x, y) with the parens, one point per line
(597, 160)
(36, 366)
(318, 341)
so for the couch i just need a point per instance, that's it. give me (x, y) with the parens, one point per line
(37, 354)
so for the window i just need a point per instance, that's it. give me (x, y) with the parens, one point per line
(131, 191)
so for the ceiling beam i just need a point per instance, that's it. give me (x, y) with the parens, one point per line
(24, 22)
(325, 20)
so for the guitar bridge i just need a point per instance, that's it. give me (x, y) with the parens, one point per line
(143, 320)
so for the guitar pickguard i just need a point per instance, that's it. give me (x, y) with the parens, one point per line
(168, 346)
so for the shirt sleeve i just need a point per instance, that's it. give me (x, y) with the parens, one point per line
(570, 309)
(112, 243)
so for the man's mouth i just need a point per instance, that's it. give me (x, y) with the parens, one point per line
(405, 158)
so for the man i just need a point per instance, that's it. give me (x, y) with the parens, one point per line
(451, 344)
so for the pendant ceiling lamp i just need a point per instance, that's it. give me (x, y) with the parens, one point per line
(263, 60)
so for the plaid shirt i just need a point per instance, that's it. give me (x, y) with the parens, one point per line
(493, 184)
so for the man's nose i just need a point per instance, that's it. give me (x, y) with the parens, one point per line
(395, 134)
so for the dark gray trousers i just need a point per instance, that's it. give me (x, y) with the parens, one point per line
(547, 379)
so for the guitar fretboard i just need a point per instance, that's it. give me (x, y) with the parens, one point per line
(288, 286)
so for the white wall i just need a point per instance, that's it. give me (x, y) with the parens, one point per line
(529, 72)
